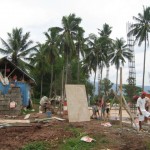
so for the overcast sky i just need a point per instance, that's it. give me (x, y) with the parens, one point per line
(36, 16)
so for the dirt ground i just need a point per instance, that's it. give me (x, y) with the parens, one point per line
(55, 132)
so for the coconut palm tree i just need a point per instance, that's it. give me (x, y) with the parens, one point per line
(106, 31)
(96, 55)
(70, 28)
(141, 30)
(40, 62)
(92, 55)
(52, 51)
(80, 47)
(106, 46)
(117, 57)
(17, 47)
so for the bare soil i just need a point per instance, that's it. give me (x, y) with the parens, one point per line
(55, 132)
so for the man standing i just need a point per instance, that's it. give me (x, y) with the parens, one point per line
(141, 105)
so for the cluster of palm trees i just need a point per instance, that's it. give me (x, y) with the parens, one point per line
(67, 56)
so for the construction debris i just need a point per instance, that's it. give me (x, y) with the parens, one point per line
(4, 125)
(87, 139)
(106, 124)
(47, 119)
(27, 116)
(14, 121)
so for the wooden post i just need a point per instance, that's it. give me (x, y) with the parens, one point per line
(5, 69)
(12, 72)
(130, 114)
(126, 107)
(121, 97)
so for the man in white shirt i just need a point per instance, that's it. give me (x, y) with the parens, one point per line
(141, 105)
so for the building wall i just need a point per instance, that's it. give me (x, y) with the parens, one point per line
(24, 88)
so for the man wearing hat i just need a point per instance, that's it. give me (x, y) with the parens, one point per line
(141, 105)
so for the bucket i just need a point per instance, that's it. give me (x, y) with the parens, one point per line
(49, 114)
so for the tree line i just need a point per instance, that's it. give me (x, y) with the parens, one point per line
(68, 57)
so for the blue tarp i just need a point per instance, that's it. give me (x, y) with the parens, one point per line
(24, 88)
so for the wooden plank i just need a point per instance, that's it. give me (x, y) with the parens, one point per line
(13, 121)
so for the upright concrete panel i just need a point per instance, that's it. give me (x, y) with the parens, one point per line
(77, 103)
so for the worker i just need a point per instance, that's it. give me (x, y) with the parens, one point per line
(44, 104)
(95, 111)
(141, 105)
(108, 108)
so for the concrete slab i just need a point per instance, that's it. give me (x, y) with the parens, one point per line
(77, 103)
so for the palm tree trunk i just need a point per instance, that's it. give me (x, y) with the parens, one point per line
(95, 77)
(62, 84)
(41, 86)
(117, 81)
(101, 73)
(66, 70)
(100, 82)
(144, 66)
(107, 73)
(78, 72)
(96, 70)
(51, 84)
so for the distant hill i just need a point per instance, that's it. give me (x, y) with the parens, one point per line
(146, 88)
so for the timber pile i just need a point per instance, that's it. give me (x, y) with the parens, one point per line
(6, 100)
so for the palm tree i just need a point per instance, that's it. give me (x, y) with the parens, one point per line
(96, 56)
(80, 46)
(117, 57)
(106, 31)
(106, 46)
(92, 55)
(17, 47)
(52, 51)
(70, 28)
(141, 30)
(40, 62)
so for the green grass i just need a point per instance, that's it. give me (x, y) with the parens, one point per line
(76, 144)
(77, 132)
(148, 146)
(28, 111)
(37, 145)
